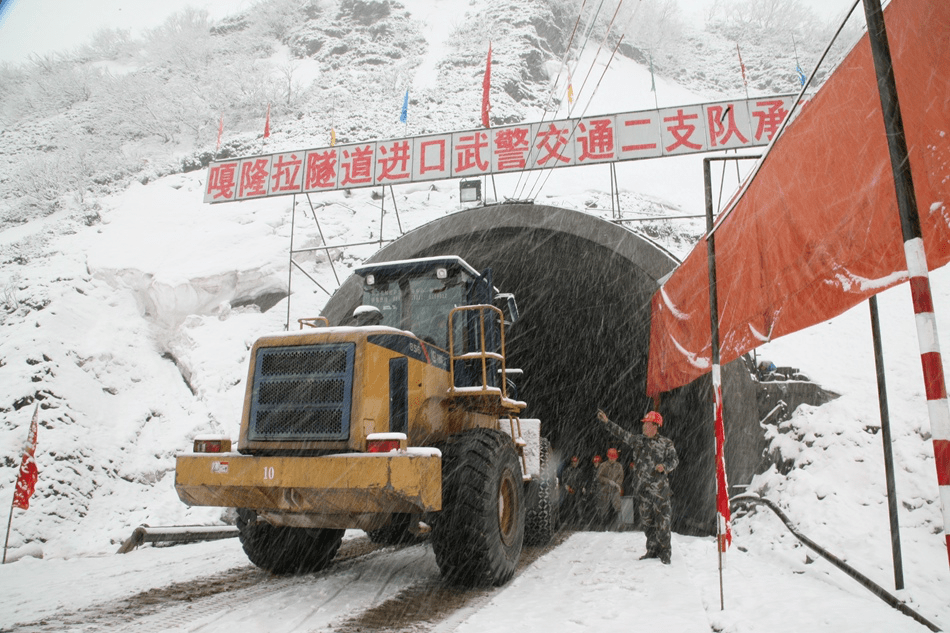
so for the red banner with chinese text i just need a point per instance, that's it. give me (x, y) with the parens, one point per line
(705, 127)
(817, 230)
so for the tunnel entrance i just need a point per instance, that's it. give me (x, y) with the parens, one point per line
(583, 287)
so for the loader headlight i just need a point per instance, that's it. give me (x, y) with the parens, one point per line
(441, 273)
(212, 444)
(370, 280)
(385, 442)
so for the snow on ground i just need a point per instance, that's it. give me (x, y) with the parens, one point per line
(592, 581)
(154, 252)
(138, 328)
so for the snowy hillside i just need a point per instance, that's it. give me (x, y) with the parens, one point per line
(129, 306)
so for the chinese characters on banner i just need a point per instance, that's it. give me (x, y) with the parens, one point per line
(564, 143)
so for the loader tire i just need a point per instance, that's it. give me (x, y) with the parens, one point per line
(396, 532)
(479, 533)
(542, 496)
(286, 550)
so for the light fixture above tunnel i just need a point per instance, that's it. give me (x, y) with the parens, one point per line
(470, 191)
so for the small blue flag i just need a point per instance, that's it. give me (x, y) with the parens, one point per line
(404, 116)
(801, 74)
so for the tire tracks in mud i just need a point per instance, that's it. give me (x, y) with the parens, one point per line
(429, 606)
(175, 603)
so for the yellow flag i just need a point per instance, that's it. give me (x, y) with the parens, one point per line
(332, 137)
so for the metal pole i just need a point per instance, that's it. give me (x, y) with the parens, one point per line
(382, 212)
(392, 194)
(324, 240)
(290, 264)
(714, 344)
(615, 189)
(654, 218)
(723, 533)
(886, 440)
(6, 541)
(915, 254)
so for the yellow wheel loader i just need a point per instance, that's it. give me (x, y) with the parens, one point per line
(402, 422)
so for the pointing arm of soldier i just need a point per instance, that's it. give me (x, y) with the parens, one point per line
(635, 441)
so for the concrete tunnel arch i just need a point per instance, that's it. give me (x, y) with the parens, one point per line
(584, 287)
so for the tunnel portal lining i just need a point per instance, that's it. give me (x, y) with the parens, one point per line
(584, 288)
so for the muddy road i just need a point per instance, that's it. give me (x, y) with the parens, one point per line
(368, 587)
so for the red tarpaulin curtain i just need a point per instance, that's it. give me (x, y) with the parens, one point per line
(817, 229)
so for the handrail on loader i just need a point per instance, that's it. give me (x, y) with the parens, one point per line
(480, 352)
(486, 398)
(314, 322)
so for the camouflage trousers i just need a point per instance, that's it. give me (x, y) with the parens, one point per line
(656, 517)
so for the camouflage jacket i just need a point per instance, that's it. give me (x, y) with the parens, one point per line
(647, 453)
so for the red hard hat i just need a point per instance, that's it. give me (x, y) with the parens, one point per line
(597, 458)
(653, 417)
(612, 452)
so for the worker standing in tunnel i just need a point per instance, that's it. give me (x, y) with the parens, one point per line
(573, 480)
(589, 489)
(654, 457)
(609, 490)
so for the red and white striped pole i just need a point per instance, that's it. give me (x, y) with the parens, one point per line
(723, 515)
(916, 256)
(934, 383)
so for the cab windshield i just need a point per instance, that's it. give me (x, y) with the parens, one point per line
(419, 304)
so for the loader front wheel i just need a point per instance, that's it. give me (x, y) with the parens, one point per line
(478, 536)
(286, 550)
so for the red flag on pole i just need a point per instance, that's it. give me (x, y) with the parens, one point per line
(486, 88)
(220, 131)
(26, 480)
(724, 517)
(741, 66)
(267, 123)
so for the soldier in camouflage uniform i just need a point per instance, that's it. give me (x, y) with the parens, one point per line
(654, 457)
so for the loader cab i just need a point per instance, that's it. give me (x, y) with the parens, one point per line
(417, 295)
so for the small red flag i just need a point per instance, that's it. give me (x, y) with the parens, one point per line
(741, 66)
(26, 480)
(486, 88)
(220, 131)
(722, 490)
(267, 123)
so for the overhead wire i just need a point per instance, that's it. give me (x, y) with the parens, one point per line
(531, 152)
(539, 184)
(564, 61)
(597, 54)
(567, 52)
